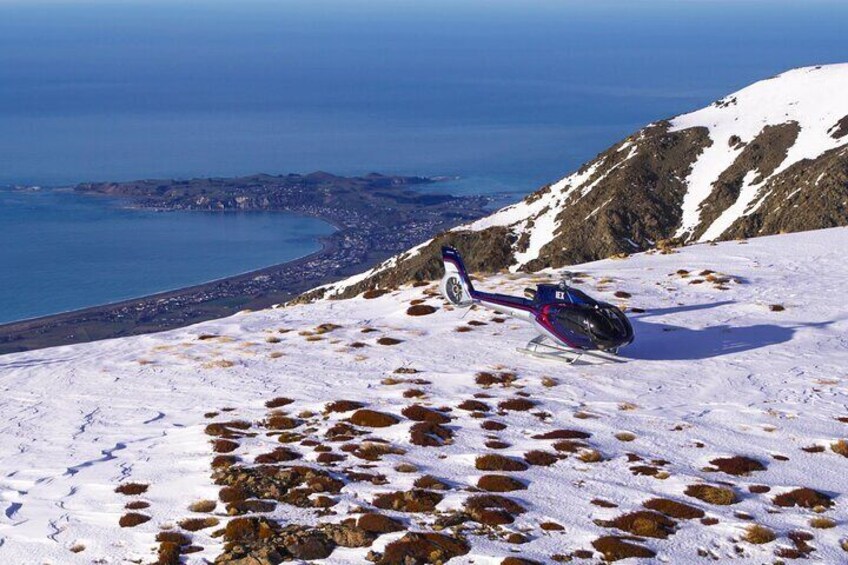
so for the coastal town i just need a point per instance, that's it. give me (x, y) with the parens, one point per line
(375, 216)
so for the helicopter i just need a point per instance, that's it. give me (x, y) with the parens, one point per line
(570, 323)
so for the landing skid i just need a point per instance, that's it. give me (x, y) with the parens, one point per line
(542, 348)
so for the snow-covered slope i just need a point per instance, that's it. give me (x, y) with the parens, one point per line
(717, 371)
(771, 158)
(811, 99)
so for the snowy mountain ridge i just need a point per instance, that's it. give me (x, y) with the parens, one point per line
(394, 429)
(770, 158)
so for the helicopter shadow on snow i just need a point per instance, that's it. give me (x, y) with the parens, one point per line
(659, 341)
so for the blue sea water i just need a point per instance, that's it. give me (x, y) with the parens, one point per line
(506, 95)
(62, 251)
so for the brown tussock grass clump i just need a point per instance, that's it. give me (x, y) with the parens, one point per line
(497, 444)
(720, 496)
(423, 548)
(420, 310)
(374, 451)
(563, 434)
(516, 404)
(493, 509)
(622, 294)
(758, 534)
(616, 548)
(224, 446)
(591, 456)
(463, 329)
(430, 434)
(133, 519)
(642, 523)
(272, 339)
(603, 503)
(430, 482)
(813, 449)
(674, 509)
(414, 393)
(389, 341)
(840, 447)
(314, 338)
(222, 461)
(822, 523)
(226, 429)
(132, 489)
(738, 465)
(374, 293)
(495, 462)
(379, 524)
(777, 307)
(372, 419)
(499, 483)
(202, 506)
(625, 436)
(551, 527)
(169, 553)
(343, 406)
(804, 498)
(277, 455)
(231, 494)
(415, 500)
(281, 422)
(77, 548)
(493, 426)
(278, 402)
(197, 524)
(474, 406)
(419, 413)
(137, 505)
(570, 446)
(540, 458)
(330, 458)
(518, 538)
(406, 468)
(487, 379)
(549, 382)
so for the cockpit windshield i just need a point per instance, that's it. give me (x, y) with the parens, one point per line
(580, 298)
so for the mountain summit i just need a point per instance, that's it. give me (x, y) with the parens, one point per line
(770, 158)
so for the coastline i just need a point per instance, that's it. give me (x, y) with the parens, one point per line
(115, 319)
(374, 218)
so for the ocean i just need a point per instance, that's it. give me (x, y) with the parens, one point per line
(62, 251)
(504, 95)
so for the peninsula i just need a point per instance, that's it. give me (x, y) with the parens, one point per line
(376, 216)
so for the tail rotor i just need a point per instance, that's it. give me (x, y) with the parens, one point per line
(456, 286)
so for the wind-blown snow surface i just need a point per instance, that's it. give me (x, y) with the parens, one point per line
(712, 373)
